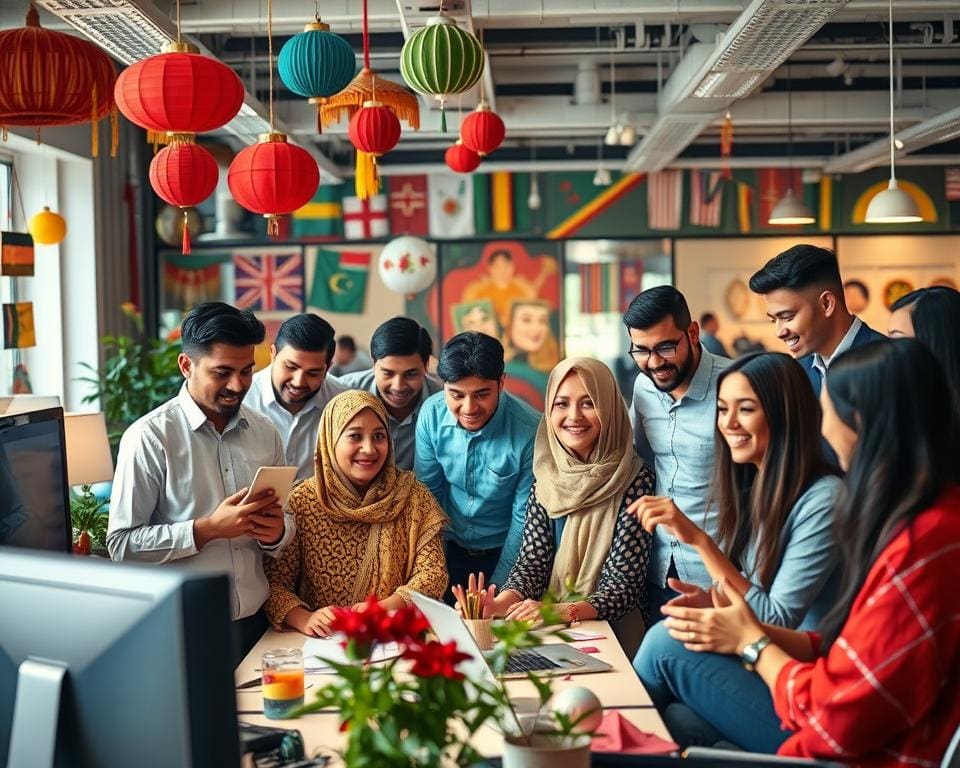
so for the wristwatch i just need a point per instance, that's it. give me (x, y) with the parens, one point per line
(751, 653)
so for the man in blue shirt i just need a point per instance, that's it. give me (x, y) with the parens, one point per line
(474, 451)
(400, 348)
(674, 413)
(804, 295)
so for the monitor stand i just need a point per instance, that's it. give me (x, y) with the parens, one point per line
(33, 737)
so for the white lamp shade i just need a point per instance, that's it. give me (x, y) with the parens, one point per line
(534, 201)
(892, 206)
(628, 136)
(791, 210)
(613, 136)
(602, 178)
(88, 449)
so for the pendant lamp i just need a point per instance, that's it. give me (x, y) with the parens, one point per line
(892, 205)
(791, 210)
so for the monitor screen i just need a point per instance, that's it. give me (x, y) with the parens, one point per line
(142, 656)
(34, 491)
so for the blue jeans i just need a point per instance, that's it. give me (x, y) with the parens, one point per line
(719, 697)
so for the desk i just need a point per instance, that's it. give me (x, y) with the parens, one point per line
(617, 689)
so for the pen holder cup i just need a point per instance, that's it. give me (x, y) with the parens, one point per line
(482, 631)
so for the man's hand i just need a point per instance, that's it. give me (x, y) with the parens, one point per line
(232, 519)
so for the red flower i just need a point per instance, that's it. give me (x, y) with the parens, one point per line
(424, 260)
(404, 263)
(435, 659)
(388, 265)
(408, 625)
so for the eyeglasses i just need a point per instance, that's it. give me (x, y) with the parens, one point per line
(666, 351)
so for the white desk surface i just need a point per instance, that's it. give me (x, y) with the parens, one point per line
(618, 689)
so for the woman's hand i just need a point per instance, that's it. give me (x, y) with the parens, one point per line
(691, 596)
(525, 610)
(652, 511)
(481, 598)
(318, 624)
(725, 628)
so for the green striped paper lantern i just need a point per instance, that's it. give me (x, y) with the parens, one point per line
(441, 59)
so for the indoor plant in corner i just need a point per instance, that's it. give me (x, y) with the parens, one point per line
(88, 516)
(418, 709)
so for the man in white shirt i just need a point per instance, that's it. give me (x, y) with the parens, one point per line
(184, 468)
(294, 389)
(401, 349)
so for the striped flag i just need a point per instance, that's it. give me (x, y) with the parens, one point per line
(599, 288)
(16, 254)
(322, 217)
(269, 283)
(706, 198)
(664, 199)
(952, 176)
(744, 205)
(18, 328)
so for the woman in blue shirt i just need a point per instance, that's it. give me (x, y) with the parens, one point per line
(775, 491)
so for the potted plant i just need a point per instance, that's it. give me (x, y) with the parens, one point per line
(139, 374)
(420, 718)
(88, 516)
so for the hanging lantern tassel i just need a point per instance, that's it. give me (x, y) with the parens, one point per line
(367, 180)
(273, 224)
(185, 246)
(443, 117)
(726, 144)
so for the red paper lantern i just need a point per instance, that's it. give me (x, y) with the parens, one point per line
(49, 78)
(374, 130)
(184, 175)
(461, 159)
(179, 91)
(273, 177)
(482, 130)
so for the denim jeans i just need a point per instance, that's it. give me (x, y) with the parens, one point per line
(720, 697)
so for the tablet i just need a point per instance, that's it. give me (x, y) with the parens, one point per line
(280, 479)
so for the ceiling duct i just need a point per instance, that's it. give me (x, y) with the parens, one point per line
(587, 88)
(942, 127)
(709, 78)
(131, 30)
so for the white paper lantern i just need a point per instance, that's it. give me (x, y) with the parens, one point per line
(407, 265)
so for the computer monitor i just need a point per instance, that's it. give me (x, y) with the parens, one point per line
(34, 490)
(114, 665)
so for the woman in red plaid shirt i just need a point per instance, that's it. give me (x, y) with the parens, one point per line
(878, 686)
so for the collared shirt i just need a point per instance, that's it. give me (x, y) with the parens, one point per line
(173, 468)
(676, 437)
(482, 478)
(297, 430)
(821, 363)
(404, 432)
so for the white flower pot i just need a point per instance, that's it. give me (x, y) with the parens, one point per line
(547, 751)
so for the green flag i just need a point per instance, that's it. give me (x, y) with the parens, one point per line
(340, 281)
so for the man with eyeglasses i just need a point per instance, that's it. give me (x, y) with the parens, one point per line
(674, 412)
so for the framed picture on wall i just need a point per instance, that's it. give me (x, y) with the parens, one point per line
(510, 288)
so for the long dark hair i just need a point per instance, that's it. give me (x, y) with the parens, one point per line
(757, 503)
(935, 313)
(894, 395)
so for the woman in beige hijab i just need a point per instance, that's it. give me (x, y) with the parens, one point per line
(363, 526)
(578, 535)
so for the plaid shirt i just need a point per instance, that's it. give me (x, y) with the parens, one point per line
(886, 694)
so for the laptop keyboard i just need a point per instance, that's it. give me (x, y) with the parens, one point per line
(529, 661)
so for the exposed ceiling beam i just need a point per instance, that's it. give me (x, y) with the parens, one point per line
(942, 127)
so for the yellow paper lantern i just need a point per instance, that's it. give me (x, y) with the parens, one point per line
(47, 227)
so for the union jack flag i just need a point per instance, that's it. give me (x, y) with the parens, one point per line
(269, 283)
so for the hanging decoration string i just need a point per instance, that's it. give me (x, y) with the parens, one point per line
(270, 55)
(366, 37)
(789, 125)
(613, 80)
(179, 41)
(893, 174)
(483, 75)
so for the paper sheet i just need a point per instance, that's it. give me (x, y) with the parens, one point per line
(319, 650)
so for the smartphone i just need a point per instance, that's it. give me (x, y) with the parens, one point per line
(280, 479)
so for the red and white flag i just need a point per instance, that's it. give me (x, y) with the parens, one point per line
(953, 184)
(664, 199)
(706, 198)
(408, 205)
(365, 219)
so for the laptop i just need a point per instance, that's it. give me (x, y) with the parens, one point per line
(549, 659)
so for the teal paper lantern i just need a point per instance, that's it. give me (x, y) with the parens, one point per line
(317, 64)
(441, 59)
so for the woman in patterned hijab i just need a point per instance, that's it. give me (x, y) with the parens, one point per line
(363, 526)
